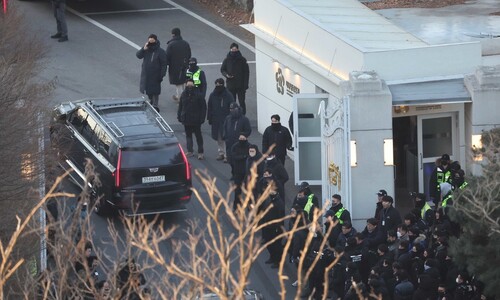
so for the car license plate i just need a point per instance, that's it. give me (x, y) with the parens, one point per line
(151, 179)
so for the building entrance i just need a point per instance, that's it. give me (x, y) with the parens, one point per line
(418, 141)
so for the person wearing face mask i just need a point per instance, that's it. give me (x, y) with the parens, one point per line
(440, 174)
(217, 111)
(191, 113)
(198, 76)
(178, 54)
(254, 159)
(279, 136)
(239, 154)
(235, 69)
(276, 207)
(154, 68)
(336, 213)
(464, 290)
(280, 173)
(234, 125)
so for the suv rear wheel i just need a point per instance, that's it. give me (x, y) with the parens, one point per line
(100, 205)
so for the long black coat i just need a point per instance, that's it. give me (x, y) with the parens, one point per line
(192, 108)
(280, 136)
(233, 126)
(154, 68)
(178, 54)
(279, 173)
(218, 110)
(239, 154)
(235, 69)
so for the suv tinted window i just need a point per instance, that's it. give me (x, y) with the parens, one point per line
(78, 119)
(151, 156)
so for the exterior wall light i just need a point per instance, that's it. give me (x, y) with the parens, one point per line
(477, 146)
(354, 158)
(388, 152)
(401, 109)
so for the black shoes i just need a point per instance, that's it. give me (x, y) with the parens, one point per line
(56, 36)
(63, 39)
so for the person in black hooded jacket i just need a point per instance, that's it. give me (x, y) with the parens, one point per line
(239, 155)
(191, 113)
(234, 125)
(217, 111)
(253, 158)
(235, 69)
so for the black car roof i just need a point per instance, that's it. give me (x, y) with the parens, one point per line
(130, 119)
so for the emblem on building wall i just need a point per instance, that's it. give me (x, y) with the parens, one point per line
(335, 176)
(282, 84)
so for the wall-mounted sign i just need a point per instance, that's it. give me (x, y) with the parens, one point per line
(282, 84)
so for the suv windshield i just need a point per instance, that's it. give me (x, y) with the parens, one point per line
(151, 157)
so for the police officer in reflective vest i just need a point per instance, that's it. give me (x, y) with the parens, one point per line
(426, 212)
(312, 200)
(336, 213)
(198, 76)
(441, 174)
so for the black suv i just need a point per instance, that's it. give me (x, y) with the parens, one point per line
(141, 165)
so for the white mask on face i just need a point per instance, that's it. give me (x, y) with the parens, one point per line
(252, 154)
(457, 280)
(399, 234)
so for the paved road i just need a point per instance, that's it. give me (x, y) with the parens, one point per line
(99, 60)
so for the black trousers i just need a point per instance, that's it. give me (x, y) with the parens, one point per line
(196, 129)
(240, 94)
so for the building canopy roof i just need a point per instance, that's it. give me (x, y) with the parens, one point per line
(354, 22)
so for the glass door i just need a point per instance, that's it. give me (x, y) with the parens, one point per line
(436, 136)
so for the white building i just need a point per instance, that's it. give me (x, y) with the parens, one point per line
(392, 103)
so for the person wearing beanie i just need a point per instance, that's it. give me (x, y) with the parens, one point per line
(198, 76)
(154, 68)
(217, 111)
(235, 69)
(178, 54)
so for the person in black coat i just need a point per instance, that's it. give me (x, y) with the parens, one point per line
(279, 173)
(373, 234)
(178, 53)
(336, 213)
(253, 158)
(154, 68)
(234, 125)
(279, 136)
(235, 69)
(389, 216)
(191, 113)
(217, 111)
(271, 231)
(239, 154)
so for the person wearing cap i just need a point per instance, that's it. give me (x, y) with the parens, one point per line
(235, 69)
(440, 174)
(389, 217)
(279, 136)
(154, 68)
(306, 199)
(336, 213)
(380, 194)
(191, 113)
(198, 76)
(217, 111)
(235, 124)
(178, 54)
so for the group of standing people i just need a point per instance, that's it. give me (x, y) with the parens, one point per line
(226, 117)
